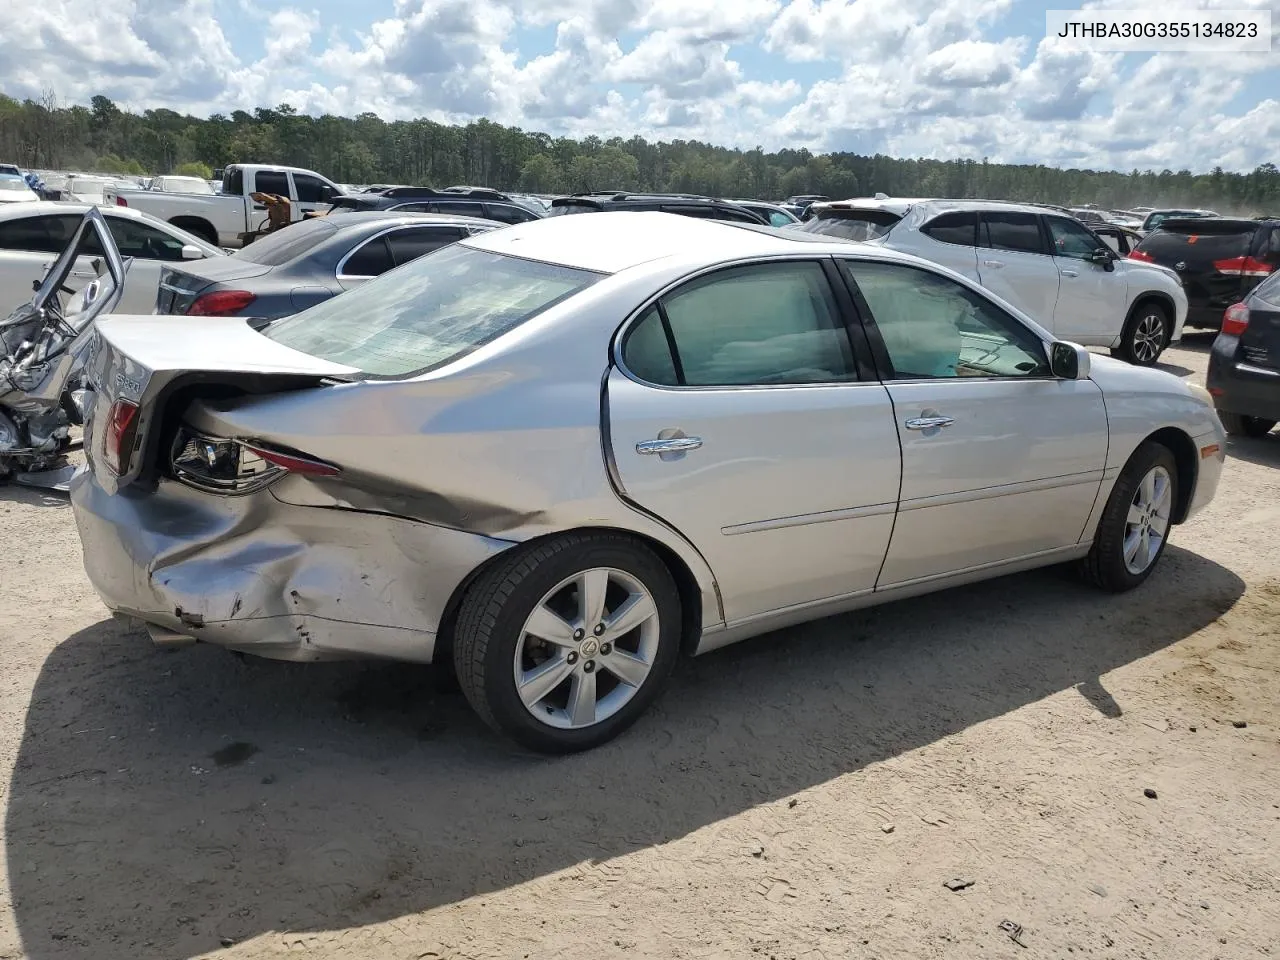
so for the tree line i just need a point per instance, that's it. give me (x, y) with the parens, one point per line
(102, 137)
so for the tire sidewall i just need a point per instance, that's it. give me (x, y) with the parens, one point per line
(1110, 539)
(500, 692)
(1131, 333)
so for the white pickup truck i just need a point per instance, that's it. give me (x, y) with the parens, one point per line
(222, 218)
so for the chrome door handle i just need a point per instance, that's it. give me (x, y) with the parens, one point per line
(993, 264)
(1069, 273)
(672, 445)
(928, 423)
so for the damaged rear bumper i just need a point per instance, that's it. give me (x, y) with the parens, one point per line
(273, 579)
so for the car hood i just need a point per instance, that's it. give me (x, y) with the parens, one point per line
(1116, 377)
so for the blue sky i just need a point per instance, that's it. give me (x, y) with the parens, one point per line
(937, 78)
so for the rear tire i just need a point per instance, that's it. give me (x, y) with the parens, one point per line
(1146, 334)
(198, 227)
(1238, 425)
(1136, 521)
(574, 590)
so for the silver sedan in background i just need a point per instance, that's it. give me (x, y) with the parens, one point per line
(557, 456)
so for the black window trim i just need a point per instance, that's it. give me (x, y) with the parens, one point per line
(864, 366)
(1046, 246)
(338, 272)
(458, 229)
(973, 242)
(884, 365)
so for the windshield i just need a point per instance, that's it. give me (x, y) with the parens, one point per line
(288, 244)
(850, 225)
(8, 183)
(429, 312)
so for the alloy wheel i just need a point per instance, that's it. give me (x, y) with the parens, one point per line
(1148, 338)
(1147, 523)
(587, 648)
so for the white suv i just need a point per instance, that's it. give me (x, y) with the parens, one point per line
(1049, 264)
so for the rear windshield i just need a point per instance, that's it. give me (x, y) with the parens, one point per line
(851, 224)
(1269, 290)
(429, 312)
(559, 209)
(288, 244)
(1198, 242)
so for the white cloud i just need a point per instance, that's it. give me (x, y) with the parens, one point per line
(938, 78)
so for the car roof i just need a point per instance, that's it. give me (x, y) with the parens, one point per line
(28, 208)
(931, 205)
(613, 241)
(358, 217)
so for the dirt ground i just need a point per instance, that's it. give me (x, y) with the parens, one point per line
(804, 795)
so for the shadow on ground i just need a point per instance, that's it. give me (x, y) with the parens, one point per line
(162, 801)
(32, 496)
(1201, 341)
(1264, 451)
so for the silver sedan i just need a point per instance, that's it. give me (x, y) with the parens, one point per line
(560, 455)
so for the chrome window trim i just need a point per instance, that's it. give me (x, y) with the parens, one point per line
(339, 275)
(620, 335)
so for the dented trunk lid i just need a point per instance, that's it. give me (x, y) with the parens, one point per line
(143, 359)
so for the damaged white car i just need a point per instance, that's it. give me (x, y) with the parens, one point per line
(556, 456)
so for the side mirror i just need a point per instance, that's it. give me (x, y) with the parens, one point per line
(1068, 361)
(1103, 258)
(191, 252)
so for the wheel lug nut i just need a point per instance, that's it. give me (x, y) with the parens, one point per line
(571, 658)
(579, 634)
(599, 629)
(589, 666)
(606, 649)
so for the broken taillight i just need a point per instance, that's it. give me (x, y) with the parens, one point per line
(221, 303)
(234, 467)
(119, 435)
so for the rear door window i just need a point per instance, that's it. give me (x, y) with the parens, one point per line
(773, 323)
(1009, 230)
(372, 259)
(36, 234)
(413, 242)
(272, 181)
(960, 228)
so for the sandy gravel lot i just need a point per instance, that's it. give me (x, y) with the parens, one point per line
(805, 795)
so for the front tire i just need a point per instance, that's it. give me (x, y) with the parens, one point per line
(1238, 425)
(1145, 335)
(564, 644)
(1134, 528)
